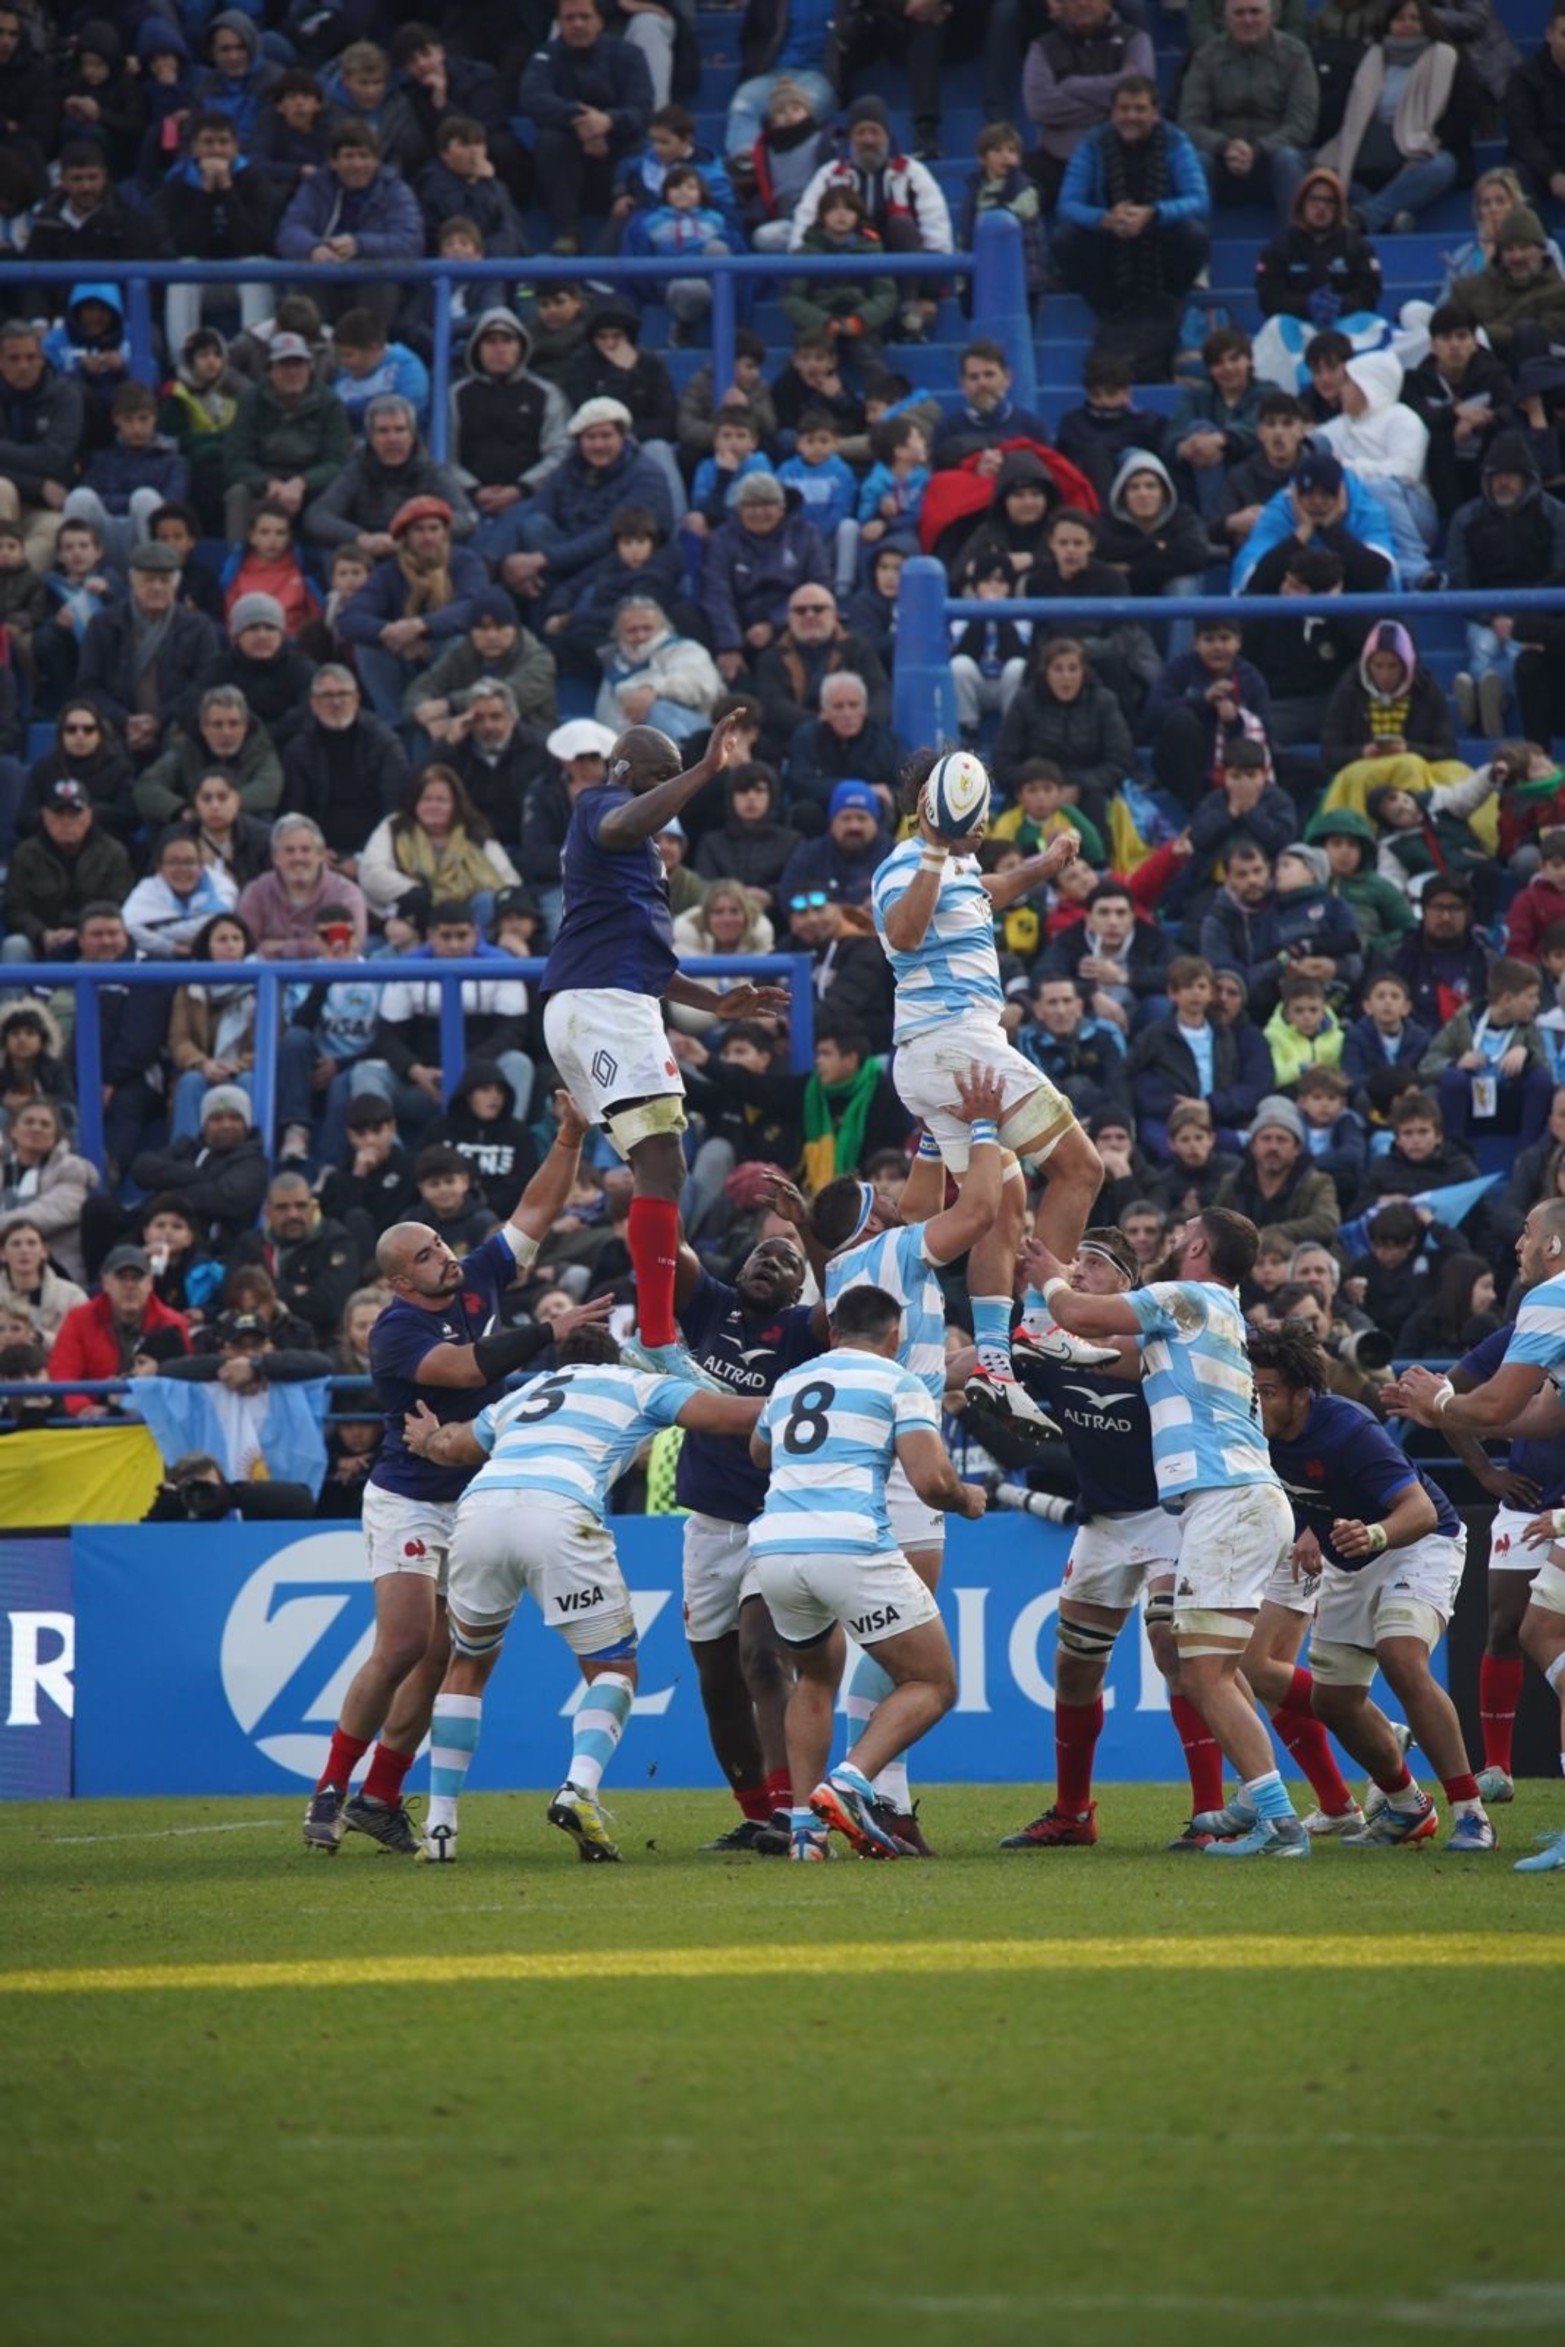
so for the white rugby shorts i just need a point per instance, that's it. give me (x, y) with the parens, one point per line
(609, 1044)
(925, 1072)
(719, 1575)
(1299, 1592)
(508, 1543)
(1393, 1595)
(1231, 1541)
(1113, 1558)
(914, 1523)
(408, 1535)
(873, 1597)
(1508, 1552)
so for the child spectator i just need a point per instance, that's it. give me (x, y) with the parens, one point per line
(1390, 1280)
(1159, 544)
(827, 490)
(453, 1204)
(290, 136)
(851, 311)
(1428, 831)
(168, 88)
(891, 494)
(123, 485)
(1334, 1133)
(750, 845)
(78, 584)
(735, 453)
(1214, 426)
(1420, 1157)
(640, 561)
(1281, 429)
(89, 342)
(198, 408)
(1197, 1168)
(684, 227)
(813, 378)
(351, 566)
(481, 1125)
(462, 184)
(774, 174)
(1205, 701)
(1380, 909)
(1531, 784)
(269, 565)
(369, 366)
(1316, 933)
(871, 612)
(1002, 184)
(1302, 1031)
(699, 411)
(1043, 805)
(1495, 1070)
(1099, 435)
(1541, 902)
(988, 656)
(556, 327)
(641, 182)
(612, 365)
(456, 239)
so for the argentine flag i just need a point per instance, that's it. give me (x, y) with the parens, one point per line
(281, 1427)
(1451, 1203)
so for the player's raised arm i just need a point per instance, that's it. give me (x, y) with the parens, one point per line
(1088, 1316)
(933, 1477)
(658, 800)
(453, 1445)
(980, 1103)
(1489, 1409)
(544, 1200)
(1008, 888)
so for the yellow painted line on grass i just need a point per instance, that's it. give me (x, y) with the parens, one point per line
(1238, 1952)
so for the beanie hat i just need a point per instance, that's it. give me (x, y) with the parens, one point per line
(225, 1099)
(256, 611)
(1314, 857)
(1280, 1112)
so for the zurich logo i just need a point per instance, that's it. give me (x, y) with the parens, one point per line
(295, 1635)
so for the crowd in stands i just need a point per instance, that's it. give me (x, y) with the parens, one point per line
(277, 682)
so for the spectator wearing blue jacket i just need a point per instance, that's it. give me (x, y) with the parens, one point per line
(415, 601)
(238, 77)
(683, 229)
(590, 102)
(370, 367)
(1132, 227)
(568, 522)
(640, 182)
(463, 184)
(1323, 505)
(827, 490)
(357, 209)
(753, 565)
(123, 485)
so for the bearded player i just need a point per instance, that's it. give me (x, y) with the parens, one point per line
(934, 914)
(610, 970)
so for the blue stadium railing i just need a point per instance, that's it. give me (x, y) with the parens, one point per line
(995, 264)
(924, 693)
(270, 978)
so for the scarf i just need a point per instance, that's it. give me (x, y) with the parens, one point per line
(834, 1119)
(147, 638)
(429, 586)
(1425, 96)
(1136, 174)
(456, 867)
(233, 1017)
(1404, 52)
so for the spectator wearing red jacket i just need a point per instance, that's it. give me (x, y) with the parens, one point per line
(106, 1337)
(1541, 902)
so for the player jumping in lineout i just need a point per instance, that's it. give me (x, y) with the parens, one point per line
(611, 968)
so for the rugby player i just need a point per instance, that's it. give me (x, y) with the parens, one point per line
(853, 1241)
(1209, 1455)
(1392, 1548)
(934, 913)
(438, 1342)
(1126, 1548)
(1510, 1403)
(827, 1560)
(610, 969)
(743, 1337)
(558, 1443)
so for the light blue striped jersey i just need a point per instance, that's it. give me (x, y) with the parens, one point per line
(574, 1431)
(1206, 1421)
(955, 972)
(896, 1262)
(1538, 1339)
(833, 1428)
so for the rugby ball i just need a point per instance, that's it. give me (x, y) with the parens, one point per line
(956, 794)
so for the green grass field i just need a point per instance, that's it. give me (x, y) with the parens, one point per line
(1089, 2096)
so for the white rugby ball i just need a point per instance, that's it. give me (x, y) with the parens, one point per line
(956, 794)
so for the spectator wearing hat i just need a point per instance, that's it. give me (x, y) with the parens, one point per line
(1276, 1183)
(902, 201)
(568, 522)
(139, 658)
(1442, 963)
(1521, 286)
(358, 506)
(612, 365)
(273, 675)
(508, 425)
(590, 100)
(685, 890)
(419, 598)
(244, 1355)
(358, 209)
(343, 767)
(1511, 535)
(108, 1335)
(221, 1175)
(69, 862)
(755, 563)
(578, 754)
(843, 744)
(281, 908)
(289, 439)
(368, 1185)
(496, 650)
(1323, 505)
(855, 843)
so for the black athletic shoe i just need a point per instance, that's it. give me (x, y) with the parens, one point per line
(904, 1824)
(388, 1825)
(775, 1838)
(323, 1820)
(741, 1837)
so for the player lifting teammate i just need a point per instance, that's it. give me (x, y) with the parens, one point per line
(610, 970)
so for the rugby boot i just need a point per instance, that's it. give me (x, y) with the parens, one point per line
(1057, 1830)
(386, 1822)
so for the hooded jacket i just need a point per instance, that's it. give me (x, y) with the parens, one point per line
(198, 418)
(501, 1151)
(383, 219)
(1379, 908)
(754, 853)
(1388, 440)
(1452, 466)
(238, 95)
(507, 430)
(1319, 277)
(121, 112)
(1345, 728)
(1521, 545)
(1176, 545)
(646, 388)
(996, 532)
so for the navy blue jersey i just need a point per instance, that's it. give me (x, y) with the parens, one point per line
(1542, 1460)
(1103, 1417)
(618, 927)
(716, 1475)
(401, 1337)
(1346, 1464)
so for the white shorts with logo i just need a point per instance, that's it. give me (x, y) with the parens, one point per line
(609, 1044)
(508, 1543)
(914, 1523)
(1231, 1541)
(408, 1535)
(925, 1072)
(1113, 1558)
(719, 1575)
(1394, 1595)
(1508, 1552)
(1298, 1592)
(873, 1597)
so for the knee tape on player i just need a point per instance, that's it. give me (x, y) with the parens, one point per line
(627, 1126)
(1334, 1665)
(623, 1650)
(1160, 1609)
(476, 1639)
(611, 1638)
(1409, 1617)
(1202, 1630)
(1088, 1639)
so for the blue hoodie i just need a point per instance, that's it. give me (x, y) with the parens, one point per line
(66, 344)
(1366, 519)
